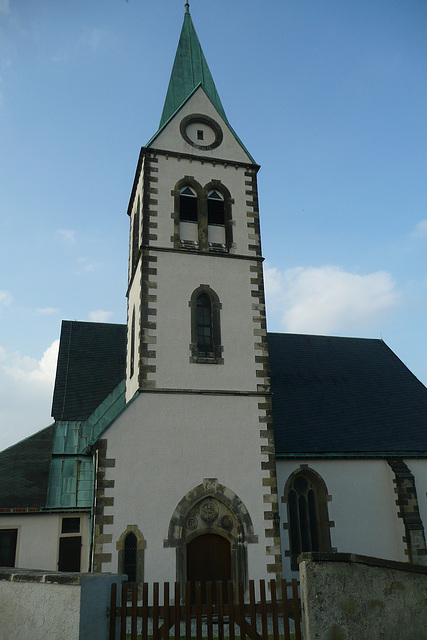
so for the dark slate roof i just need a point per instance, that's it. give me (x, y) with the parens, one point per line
(91, 363)
(24, 471)
(342, 395)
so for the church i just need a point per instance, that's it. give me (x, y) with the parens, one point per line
(190, 444)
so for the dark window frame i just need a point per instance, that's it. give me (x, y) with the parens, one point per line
(214, 355)
(216, 208)
(141, 545)
(308, 524)
(11, 536)
(132, 345)
(188, 205)
(69, 542)
(130, 557)
(202, 243)
(135, 237)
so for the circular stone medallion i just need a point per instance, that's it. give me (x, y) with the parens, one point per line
(209, 511)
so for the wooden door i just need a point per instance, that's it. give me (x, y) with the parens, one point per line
(69, 553)
(8, 547)
(208, 560)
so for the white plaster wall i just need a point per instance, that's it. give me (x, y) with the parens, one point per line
(170, 137)
(362, 507)
(418, 467)
(37, 545)
(39, 610)
(164, 446)
(178, 275)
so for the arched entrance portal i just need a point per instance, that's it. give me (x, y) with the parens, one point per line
(208, 560)
(210, 522)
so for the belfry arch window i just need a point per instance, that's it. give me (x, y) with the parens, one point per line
(216, 212)
(187, 205)
(308, 522)
(205, 343)
(202, 216)
(188, 218)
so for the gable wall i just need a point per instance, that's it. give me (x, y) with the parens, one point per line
(170, 137)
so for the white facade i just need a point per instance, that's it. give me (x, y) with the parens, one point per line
(362, 507)
(198, 431)
(38, 539)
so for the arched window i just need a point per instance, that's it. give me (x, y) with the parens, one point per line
(205, 326)
(135, 238)
(132, 345)
(216, 212)
(202, 216)
(131, 546)
(187, 205)
(129, 557)
(308, 521)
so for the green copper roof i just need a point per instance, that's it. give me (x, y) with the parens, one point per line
(189, 70)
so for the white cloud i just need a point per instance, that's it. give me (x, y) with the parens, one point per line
(85, 266)
(93, 37)
(29, 369)
(5, 299)
(67, 235)
(100, 316)
(47, 311)
(26, 386)
(328, 299)
(420, 230)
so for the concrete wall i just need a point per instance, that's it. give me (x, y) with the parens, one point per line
(349, 597)
(54, 606)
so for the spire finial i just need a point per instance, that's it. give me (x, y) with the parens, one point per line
(187, 7)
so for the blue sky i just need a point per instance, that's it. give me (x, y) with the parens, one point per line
(330, 97)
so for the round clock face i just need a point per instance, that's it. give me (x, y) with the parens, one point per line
(201, 131)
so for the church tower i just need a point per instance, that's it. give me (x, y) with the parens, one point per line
(192, 464)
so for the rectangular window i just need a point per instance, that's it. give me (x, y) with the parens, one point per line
(70, 525)
(8, 538)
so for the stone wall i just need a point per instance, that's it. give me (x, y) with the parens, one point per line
(54, 606)
(350, 597)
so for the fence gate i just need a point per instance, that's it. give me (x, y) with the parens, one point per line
(218, 611)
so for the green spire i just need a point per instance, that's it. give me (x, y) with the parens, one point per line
(189, 70)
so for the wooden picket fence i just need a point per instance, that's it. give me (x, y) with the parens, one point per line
(219, 613)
